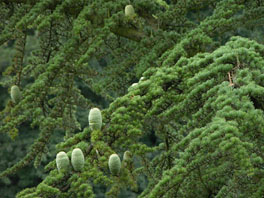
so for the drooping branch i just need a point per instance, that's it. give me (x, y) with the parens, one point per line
(36, 148)
(129, 33)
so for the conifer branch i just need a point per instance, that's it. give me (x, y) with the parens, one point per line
(19, 56)
(129, 33)
(36, 148)
(204, 128)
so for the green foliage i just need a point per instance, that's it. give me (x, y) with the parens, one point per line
(194, 121)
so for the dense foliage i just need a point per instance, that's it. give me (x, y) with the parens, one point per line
(193, 126)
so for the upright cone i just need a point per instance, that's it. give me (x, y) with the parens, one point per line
(62, 161)
(114, 164)
(127, 159)
(127, 156)
(15, 94)
(95, 119)
(77, 159)
(129, 11)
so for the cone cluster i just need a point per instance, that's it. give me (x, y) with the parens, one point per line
(77, 161)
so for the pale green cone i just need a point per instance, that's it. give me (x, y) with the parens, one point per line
(129, 11)
(114, 164)
(132, 86)
(95, 119)
(77, 159)
(62, 161)
(141, 79)
(127, 156)
(15, 94)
